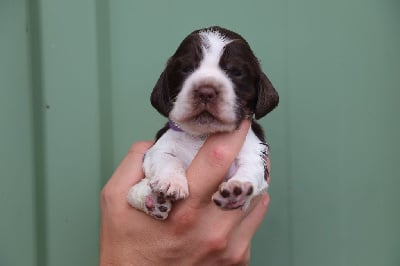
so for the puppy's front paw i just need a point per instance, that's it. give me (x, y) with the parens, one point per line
(170, 187)
(143, 198)
(233, 194)
(157, 206)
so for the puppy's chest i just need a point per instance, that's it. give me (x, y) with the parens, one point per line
(185, 147)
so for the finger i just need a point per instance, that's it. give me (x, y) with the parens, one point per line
(268, 163)
(130, 170)
(252, 221)
(212, 162)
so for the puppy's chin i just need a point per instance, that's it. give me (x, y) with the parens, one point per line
(204, 124)
(200, 130)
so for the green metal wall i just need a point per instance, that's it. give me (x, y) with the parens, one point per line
(75, 78)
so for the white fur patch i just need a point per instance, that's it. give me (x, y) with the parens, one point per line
(213, 44)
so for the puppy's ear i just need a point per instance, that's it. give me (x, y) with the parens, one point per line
(160, 98)
(268, 98)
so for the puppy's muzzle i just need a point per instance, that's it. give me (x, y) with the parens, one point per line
(205, 94)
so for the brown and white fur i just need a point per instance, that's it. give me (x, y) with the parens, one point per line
(211, 83)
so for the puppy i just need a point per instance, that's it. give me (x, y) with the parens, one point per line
(211, 83)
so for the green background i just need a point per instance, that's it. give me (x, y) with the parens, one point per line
(75, 79)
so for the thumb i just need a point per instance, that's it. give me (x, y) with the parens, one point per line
(212, 162)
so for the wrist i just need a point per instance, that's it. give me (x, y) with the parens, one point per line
(114, 254)
(117, 252)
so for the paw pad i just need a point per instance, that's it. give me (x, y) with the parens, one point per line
(233, 194)
(157, 206)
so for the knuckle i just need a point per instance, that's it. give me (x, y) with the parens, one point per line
(216, 242)
(220, 155)
(241, 256)
(187, 219)
(183, 219)
(140, 147)
(106, 197)
(110, 204)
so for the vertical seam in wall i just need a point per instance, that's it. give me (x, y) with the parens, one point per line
(289, 144)
(39, 184)
(104, 86)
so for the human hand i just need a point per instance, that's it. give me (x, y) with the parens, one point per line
(196, 232)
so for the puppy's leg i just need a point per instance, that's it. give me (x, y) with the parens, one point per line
(164, 181)
(249, 179)
(166, 173)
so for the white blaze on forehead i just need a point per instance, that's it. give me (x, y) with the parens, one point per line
(213, 44)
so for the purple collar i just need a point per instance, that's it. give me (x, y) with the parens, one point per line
(174, 126)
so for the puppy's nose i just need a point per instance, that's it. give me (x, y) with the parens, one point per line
(205, 94)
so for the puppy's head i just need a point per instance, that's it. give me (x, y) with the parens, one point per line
(212, 82)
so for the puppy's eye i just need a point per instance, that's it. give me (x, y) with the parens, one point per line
(236, 72)
(187, 69)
